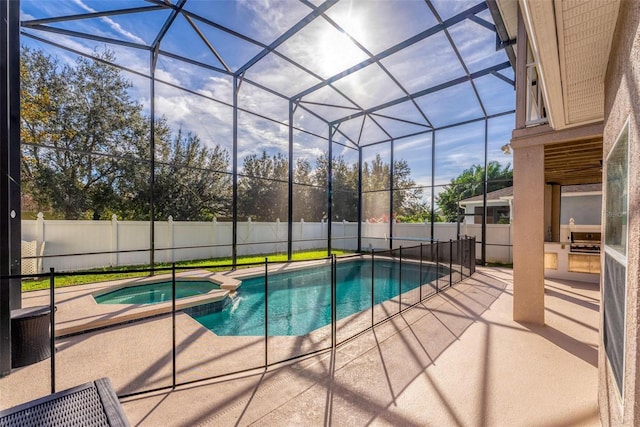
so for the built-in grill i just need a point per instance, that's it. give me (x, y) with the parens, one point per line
(585, 242)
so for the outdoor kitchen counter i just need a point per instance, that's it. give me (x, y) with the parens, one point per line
(561, 263)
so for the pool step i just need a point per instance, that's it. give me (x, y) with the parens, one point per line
(208, 308)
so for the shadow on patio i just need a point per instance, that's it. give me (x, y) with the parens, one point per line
(456, 360)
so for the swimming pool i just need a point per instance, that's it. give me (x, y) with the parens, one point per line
(300, 300)
(153, 293)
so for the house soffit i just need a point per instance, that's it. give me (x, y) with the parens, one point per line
(571, 163)
(571, 42)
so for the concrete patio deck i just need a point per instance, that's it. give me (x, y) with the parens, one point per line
(457, 359)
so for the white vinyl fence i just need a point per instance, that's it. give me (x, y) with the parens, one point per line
(76, 245)
(498, 246)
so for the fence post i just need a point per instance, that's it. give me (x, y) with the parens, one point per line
(170, 237)
(420, 278)
(426, 223)
(400, 283)
(462, 257)
(373, 281)
(437, 267)
(277, 239)
(214, 223)
(450, 262)
(344, 234)
(473, 254)
(114, 241)
(52, 337)
(470, 259)
(173, 321)
(247, 235)
(266, 312)
(40, 227)
(459, 256)
(334, 303)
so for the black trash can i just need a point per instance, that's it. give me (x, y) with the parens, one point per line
(30, 335)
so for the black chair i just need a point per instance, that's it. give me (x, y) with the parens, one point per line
(90, 404)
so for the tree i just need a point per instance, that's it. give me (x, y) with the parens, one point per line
(86, 154)
(86, 151)
(376, 185)
(308, 198)
(470, 183)
(263, 187)
(407, 198)
(77, 122)
(344, 185)
(191, 180)
(419, 212)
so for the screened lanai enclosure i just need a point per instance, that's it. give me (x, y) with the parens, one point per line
(249, 101)
(160, 131)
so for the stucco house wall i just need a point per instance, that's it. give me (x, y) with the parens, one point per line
(585, 210)
(622, 103)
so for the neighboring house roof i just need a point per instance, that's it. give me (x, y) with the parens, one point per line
(585, 188)
(507, 192)
(493, 195)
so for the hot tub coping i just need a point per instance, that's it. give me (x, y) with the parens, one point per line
(225, 282)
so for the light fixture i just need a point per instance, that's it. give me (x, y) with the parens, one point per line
(506, 149)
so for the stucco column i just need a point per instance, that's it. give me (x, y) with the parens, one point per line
(528, 234)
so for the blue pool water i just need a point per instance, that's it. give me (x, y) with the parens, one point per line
(300, 301)
(152, 293)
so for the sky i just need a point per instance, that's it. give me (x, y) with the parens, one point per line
(368, 28)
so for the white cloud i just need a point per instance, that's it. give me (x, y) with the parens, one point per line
(271, 18)
(415, 142)
(167, 76)
(279, 75)
(449, 8)
(111, 23)
(219, 88)
(212, 121)
(63, 56)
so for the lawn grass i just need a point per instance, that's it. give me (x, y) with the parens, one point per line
(118, 273)
(499, 264)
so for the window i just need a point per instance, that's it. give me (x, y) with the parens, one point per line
(615, 262)
(495, 215)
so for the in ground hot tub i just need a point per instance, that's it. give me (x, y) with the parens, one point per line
(197, 291)
(156, 292)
